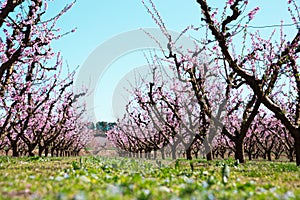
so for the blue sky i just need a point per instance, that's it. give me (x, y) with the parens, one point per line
(98, 21)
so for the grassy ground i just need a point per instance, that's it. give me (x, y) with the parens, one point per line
(121, 178)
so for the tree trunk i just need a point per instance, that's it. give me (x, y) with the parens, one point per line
(277, 155)
(30, 154)
(290, 155)
(208, 150)
(41, 149)
(30, 150)
(162, 150)
(209, 156)
(6, 152)
(52, 152)
(223, 154)
(188, 153)
(249, 156)
(173, 152)
(239, 150)
(297, 147)
(14, 148)
(141, 154)
(46, 151)
(196, 154)
(269, 156)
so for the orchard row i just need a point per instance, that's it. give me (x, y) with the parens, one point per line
(38, 107)
(235, 89)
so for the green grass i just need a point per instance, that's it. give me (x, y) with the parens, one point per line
(122, 178)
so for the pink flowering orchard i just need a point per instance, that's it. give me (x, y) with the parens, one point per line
(37, 103)
(234, 93)
(267, 63)
(255, 105)
(224, 109)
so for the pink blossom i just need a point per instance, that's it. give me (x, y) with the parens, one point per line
(252, 13)
(230, 2)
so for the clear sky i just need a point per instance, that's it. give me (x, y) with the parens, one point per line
(98, 21)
